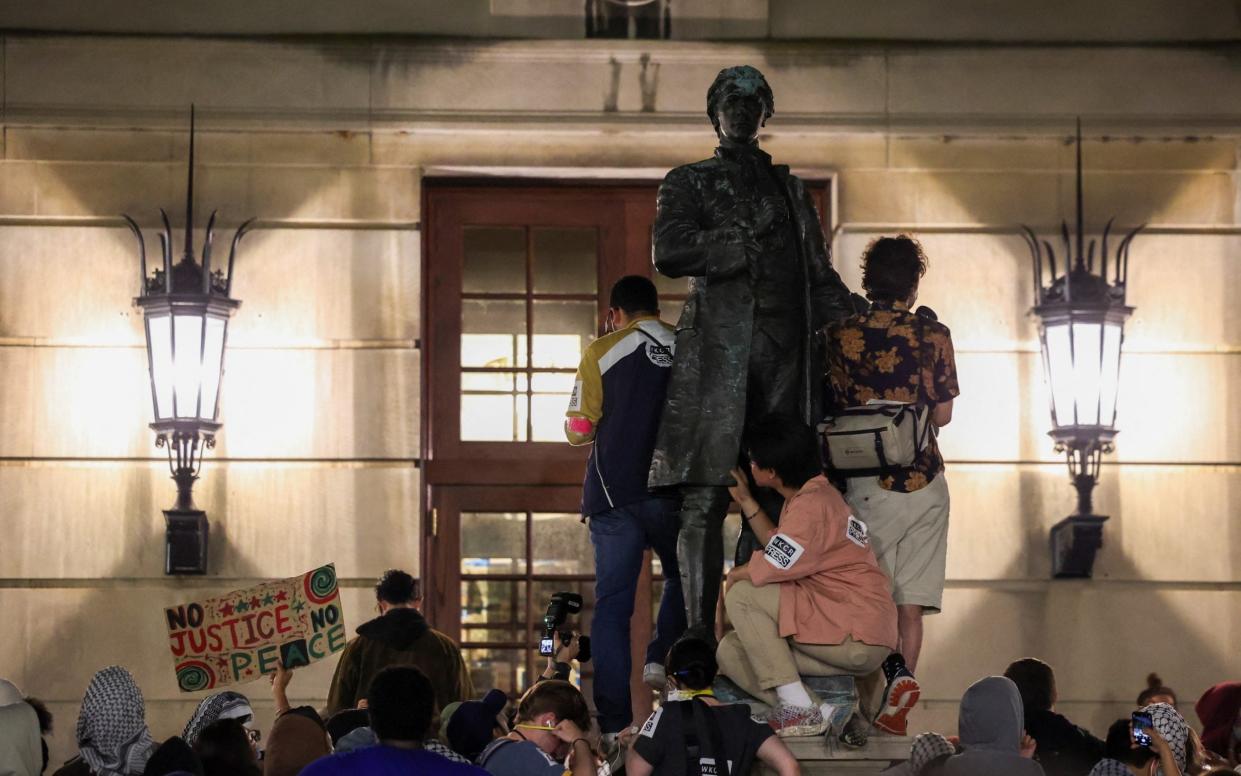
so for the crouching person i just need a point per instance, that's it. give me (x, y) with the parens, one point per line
(814, 601)
(549, 736)
(692, 733)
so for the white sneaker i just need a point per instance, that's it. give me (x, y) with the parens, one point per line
(795, 721)
(655, 676)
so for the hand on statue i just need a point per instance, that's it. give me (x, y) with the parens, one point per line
(740, 491)
(770, 209)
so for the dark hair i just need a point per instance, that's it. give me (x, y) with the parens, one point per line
(401, 702)
(224, 749)
(1035, 681)
(692, 662)
(1118, 746)
(634, 294)
(1154, 686)
(787, 445)
(345, 721)
(745, 78)
(891, 268)
(560, 698)
(397, 587)
(173, 756)
(45, 716)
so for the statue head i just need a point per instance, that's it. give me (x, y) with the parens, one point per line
(739, 102)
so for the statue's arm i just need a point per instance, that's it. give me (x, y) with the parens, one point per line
(682, 246)
(830, 299)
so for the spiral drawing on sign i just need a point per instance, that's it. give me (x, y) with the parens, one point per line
(321, 585)
(194, 675)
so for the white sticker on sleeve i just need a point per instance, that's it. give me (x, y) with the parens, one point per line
(782, 552)
(856, 532)
(652, 722)
(575, 398)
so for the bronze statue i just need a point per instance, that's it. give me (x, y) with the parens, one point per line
(748, 236)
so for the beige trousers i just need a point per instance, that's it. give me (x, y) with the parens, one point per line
(758, 659)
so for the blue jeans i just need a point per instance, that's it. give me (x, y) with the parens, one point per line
(620, 536)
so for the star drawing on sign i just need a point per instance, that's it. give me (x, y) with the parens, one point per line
(222, 661)
(226, 609)
(255, 602)
(242, 606)
(282, 596)
(269, 599)
(300, 605)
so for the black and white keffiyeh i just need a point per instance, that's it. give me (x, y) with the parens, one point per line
(1172, 726)
(222, 705)
(1109, 767)
(927, 747)
(112, 733)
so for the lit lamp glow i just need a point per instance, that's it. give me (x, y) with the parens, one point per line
(186, 308)
(1081, 330)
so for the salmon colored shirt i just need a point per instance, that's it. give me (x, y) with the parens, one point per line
(831, 586)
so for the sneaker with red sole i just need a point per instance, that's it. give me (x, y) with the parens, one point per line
(795, 721)
(900, 695)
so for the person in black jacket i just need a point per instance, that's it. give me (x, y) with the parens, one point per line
(398, 636)
(1064, 749)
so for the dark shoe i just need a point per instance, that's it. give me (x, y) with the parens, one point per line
(899, 697)
(856, 732)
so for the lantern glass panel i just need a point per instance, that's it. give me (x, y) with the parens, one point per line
(1058, 348)
(1087, 371)
(159, 334)
(187, 332)
(1110, 379)
(213, 368)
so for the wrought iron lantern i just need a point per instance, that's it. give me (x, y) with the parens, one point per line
(186, 309)
(1081, 330)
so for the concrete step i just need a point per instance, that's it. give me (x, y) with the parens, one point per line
(820, 756)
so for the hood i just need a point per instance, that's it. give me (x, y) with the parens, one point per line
(991, 716)
(399, 628)
(20, 750)
(1217, 709)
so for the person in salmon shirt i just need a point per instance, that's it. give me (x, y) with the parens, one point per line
(813, 601)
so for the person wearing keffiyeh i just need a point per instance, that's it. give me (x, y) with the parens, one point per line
(222, 705)
(112, 734)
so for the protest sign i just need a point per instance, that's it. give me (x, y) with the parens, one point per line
(240, 636)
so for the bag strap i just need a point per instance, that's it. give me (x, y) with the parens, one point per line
(708, 728)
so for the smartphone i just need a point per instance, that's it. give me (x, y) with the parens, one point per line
(1142, 724)
(547, 647)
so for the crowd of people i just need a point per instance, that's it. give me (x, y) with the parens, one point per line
(837, 565)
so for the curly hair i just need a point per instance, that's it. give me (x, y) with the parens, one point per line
(892, 267)
(745, 78)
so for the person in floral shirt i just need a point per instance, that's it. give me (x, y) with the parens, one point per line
(891, 353)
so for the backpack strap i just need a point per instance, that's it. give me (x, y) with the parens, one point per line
(708, 729)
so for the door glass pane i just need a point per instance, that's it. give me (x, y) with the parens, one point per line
(503, 669)
(493, 333)
(495, 260)
(565, 261)
(494, 611)
(493, 543)
(548, 404)
(561, 544)
(562, 330)
(494, 417)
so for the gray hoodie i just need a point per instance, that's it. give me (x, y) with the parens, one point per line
(991, 725)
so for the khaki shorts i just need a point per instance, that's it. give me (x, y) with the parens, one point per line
(909, 533)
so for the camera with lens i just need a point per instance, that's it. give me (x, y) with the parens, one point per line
(559, 608)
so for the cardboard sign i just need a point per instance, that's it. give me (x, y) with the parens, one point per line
(241, 636)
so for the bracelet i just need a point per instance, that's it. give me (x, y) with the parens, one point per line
(748, 518)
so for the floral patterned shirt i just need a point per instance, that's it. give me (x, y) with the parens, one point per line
(891, 353)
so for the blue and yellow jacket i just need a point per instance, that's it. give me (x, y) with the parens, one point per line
(616, 404)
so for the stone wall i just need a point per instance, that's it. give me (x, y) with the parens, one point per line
(328, 144)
